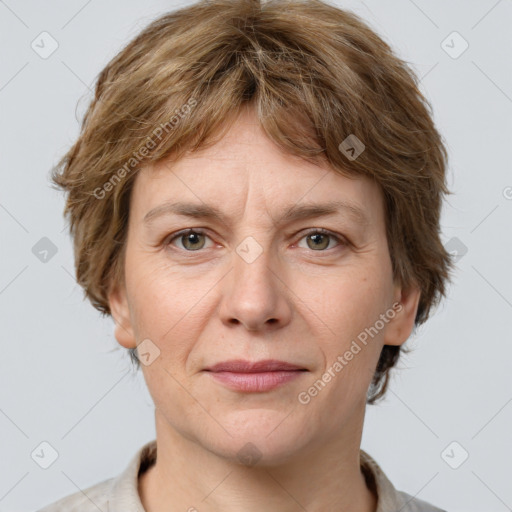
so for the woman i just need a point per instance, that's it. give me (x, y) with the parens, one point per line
(255, 199)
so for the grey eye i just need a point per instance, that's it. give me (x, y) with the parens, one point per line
(191, 240)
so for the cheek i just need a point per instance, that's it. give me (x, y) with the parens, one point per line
(157, 293)
(345, 309)
(346, 304)
(168, 307)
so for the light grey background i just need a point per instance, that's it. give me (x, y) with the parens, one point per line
(63, 380)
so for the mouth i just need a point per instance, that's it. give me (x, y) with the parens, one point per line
(260, 376)
(243, 366)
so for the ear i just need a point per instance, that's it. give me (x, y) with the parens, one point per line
(120, 311)
(400, 327)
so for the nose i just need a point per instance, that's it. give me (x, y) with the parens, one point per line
(255, 294)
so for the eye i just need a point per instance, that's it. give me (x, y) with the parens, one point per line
(192, 239)
(319, 239)
(195, 239)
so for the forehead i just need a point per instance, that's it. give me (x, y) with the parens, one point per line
(244, 170)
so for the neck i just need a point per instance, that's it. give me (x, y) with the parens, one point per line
(188, 477)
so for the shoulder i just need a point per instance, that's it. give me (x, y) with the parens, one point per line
(389, 498)
(92, 499)
(412, 504)
(116, 494)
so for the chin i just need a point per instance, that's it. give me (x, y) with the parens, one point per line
(259, 438)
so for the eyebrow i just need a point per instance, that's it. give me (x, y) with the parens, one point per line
(290, 214)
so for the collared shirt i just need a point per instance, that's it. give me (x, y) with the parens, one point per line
(120, 494)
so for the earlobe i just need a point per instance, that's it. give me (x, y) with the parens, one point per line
(120, 312)
(401, 325)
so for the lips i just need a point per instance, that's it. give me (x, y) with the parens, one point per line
(254, 377)
(242, 366)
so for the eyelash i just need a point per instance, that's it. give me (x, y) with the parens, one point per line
(341, 240)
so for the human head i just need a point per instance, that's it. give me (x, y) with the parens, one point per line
(314, 74)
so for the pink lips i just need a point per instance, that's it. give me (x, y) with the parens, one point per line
(259, 376)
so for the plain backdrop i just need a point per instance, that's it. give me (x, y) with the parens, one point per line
(66, 382)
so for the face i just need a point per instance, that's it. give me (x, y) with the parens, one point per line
(271, 278)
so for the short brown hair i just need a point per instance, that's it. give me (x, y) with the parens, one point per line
(315, 74)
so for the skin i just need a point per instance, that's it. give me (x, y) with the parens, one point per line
(295, 302)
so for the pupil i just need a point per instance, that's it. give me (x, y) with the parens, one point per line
(317, 239)
(192, 238)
